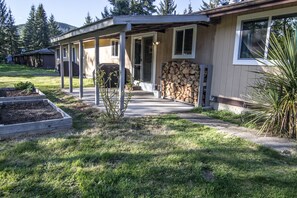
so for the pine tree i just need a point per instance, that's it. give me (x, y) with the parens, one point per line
(129, 7)
(53, 27)
(29, 34)
(42, 30)
(166, 7)
(12, 35)
(190, 8)
(212, 4)
(3, 30)
(88, 19)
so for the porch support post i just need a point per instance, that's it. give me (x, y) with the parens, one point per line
(62, 66)
(200, 88)
(70, 68)
(81, 68)
(208, 85)
(97, 62)
(122, 69)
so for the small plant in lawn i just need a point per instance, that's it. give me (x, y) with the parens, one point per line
(110, 94)
(274, 96)
(26, 87)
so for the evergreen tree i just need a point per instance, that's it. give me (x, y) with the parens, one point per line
(166, 7)
(3, 30)
(212, 4)
(88, 19)
(190, 8)
(12, 35)
(29, 35)
(42, 30)
(53, 27)
(129, 7)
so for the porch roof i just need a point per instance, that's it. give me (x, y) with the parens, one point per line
(129, 24)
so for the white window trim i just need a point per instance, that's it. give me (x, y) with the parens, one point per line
(64, 52)
(116, 40)
(184, 56)
(255, 16)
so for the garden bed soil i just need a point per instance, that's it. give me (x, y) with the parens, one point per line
(16, 93)
(14, 113)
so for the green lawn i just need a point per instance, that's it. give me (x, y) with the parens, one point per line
(144, 157)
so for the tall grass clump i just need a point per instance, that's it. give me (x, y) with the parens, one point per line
(274, 95)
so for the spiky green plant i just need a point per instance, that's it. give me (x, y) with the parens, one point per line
(274, 96)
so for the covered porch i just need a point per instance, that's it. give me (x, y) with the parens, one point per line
(130, 32)
(142, 103)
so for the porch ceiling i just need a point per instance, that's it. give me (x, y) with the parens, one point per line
(130, 25)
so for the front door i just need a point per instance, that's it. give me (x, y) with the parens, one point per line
(143, 62)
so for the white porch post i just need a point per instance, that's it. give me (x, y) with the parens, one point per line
(97, 62)
(122, 69)
(61, 66)
(81, 68)
(70, 68)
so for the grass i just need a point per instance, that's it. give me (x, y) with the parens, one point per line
(142, 157)
(227, 116)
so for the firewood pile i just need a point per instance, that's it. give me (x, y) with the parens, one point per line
(180, 81)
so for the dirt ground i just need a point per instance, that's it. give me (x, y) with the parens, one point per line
(27, 112)
(16, 93)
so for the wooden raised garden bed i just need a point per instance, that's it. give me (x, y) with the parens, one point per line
(11, 94)
(31, 116)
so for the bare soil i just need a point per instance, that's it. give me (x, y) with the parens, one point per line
(27, 112)
(16, 93)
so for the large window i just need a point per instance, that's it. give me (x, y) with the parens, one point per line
(115, 48)
(254, 32)
(64, 52)
(184, 42)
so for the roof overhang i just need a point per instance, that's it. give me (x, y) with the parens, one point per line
(118, 24)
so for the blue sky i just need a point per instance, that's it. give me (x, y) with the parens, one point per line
(73, 12)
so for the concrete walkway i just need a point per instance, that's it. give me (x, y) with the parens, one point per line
(282, 145)
(142, 103)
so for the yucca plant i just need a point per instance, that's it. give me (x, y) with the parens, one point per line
(274, 95)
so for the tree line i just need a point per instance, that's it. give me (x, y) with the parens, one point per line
(36, 35)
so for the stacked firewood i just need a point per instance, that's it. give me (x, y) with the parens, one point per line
(180, 81)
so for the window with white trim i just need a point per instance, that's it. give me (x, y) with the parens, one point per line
(184, 42)
(73, 54)
(115, 48)
(64, 52)
(254, 31)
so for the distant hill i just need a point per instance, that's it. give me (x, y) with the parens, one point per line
(64, 27)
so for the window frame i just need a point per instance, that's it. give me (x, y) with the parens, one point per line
(65, 52)
(251, 17)
(74, 54)
(194, 40)
(112, 50)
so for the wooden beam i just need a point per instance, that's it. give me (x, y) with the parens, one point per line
(97, 62)
(70, 67)
(122, 70)
(81, 69)
(61, 67)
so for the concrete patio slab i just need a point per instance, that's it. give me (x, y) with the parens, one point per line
(142, 103)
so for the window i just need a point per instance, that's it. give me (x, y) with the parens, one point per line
(114, 48)
(254, 31)
(184, 42)
(64, 52)
(58, 53)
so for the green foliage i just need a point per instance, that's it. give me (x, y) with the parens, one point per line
(88, 19)
(212, 4)
(166, 7)
(129, 7)
(274, 95)
(110, 96)
(27, 87)
(53, 27)
(42, 30)
(9, 40)
(29, 35)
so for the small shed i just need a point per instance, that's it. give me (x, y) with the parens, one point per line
(42, 58)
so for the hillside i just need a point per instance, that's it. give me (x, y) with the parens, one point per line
(64, 27)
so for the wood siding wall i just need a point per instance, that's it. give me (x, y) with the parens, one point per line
(229, 80)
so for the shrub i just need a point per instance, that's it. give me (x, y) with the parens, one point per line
(110, 94)
(274, 96)
(27, 87)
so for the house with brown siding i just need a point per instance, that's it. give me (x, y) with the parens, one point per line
(211, 48)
